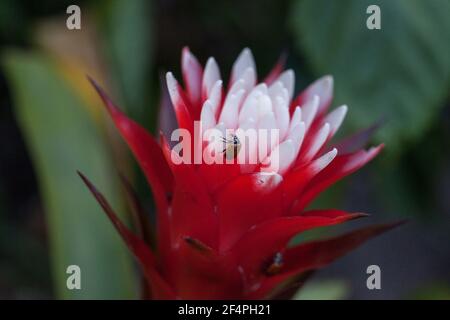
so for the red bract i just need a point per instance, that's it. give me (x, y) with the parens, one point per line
(223, 229)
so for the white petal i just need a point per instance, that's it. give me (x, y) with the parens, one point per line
(238, 85)
(296, 118)
(263, 106)
(280, 158)
(215, 96)
(173, 88)
(282, 116)
(309, 111)
(247, 135)
(321, 163)
(192, 74)
(318, 142)
(268, 135)
(268, 121)
(221, 126)
(249, 77)
(287, 78)
(259, 90)
(250, 123)
(207, 116)
(335, 118)
(210, 76)
(297, 135)
(278, 90)
(230, 111)
(245, 60)
(248, 109)
(323, 88)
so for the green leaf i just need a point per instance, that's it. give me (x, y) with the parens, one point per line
(409, 187)
(323, 290)
(62, 138)
(432, 291)
(400, 72)
(128, 38)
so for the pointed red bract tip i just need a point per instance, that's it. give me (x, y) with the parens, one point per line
(106, 100)
(314, 255)
(160, 288)
(277, 69)
(359, 139)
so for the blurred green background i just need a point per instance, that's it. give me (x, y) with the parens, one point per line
(52, 124)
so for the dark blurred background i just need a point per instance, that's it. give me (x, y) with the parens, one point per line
(52, 123)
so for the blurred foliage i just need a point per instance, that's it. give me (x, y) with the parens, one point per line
(434, 291)
(18, 246)
(17, 17)
(12, 20)
(126, 30)
(410, 186)
(62, 138)
(323, 290)
(400, 72)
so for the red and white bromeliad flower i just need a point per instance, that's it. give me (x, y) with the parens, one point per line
(223, 230)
